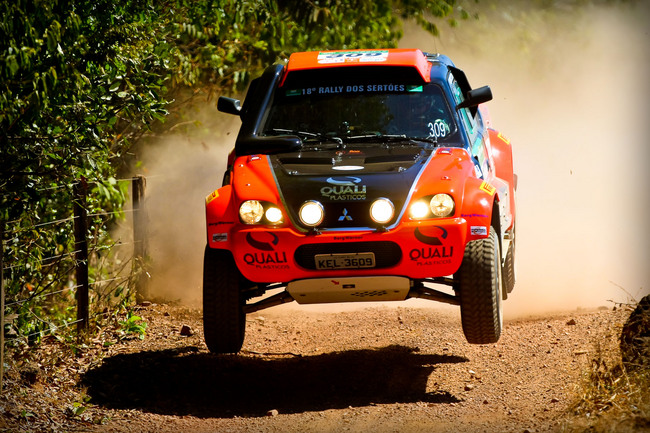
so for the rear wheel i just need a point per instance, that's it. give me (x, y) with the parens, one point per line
(479, 283)
(224, 320)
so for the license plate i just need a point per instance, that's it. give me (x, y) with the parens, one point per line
(345, 261)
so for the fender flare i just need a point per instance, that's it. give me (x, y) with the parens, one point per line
(219, 217)
(503, 164)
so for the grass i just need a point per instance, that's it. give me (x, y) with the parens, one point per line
(612, 396)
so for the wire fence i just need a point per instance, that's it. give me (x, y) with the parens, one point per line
(67, 272)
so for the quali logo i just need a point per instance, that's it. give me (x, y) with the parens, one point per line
(262, 245)
(431, 240)
(344, 181)
(344, 188)
(270, 259)
(437, 254)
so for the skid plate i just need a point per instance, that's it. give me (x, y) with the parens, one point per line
(357, 289)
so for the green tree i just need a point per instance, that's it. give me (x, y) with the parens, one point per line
(81, 81)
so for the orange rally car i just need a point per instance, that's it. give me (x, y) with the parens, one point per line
(364, 175)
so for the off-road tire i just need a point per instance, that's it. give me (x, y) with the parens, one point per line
(224, 320)
(479, 283)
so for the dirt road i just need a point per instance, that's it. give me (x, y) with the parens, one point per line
(380, 369)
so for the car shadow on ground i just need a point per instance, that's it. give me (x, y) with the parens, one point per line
(187, 382)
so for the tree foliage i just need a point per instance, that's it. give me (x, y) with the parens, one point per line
(82, 80)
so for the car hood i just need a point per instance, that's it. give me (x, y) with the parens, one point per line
(347, 180)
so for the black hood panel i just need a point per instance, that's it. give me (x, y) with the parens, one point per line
(347, 181)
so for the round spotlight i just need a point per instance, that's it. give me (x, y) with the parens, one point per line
(382, 210)
(442, 205)
(419, 210)
(273, 215)
(251, 212)
(311, 213)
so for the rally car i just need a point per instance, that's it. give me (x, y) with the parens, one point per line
(367, 175)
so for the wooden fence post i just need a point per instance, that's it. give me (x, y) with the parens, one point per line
(138, 185)
(2, 304)
(81, 253)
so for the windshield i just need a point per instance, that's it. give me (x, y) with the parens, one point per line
(348, 112)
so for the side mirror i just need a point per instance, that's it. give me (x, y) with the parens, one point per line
(229, 105)
(476, 97)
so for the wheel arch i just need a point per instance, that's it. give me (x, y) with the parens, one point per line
(219, 217)
(495, 220)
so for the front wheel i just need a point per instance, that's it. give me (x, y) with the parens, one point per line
(479, 283)
(224, 320)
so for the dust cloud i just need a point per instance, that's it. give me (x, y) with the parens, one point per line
(181, 170)
(570, 91)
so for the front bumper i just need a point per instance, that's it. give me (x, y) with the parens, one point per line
(415, 250)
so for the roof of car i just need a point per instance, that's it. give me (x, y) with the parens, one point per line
(346, 58)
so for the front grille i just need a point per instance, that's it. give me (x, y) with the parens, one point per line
(386, 253)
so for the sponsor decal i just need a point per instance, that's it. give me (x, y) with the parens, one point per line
(486, 187)
(219, 237)
(344, 181)
(347, 191)
(344, 286)
(357, 88)
(435, 254)
(431, 240)
(347, 238)
(428, 256)
(473, 215)
(330, 89)
(274, 260)
(262, 244)
(479, 230)
(218, 223)
(268, 258)
(502, 137)
(352, 56)
(211, 197)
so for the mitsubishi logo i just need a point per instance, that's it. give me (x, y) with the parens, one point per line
(345, 216)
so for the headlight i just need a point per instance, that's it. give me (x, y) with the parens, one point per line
(311, 213)
(382, 210)
(273, 215)
(251, 212)
(442, 205)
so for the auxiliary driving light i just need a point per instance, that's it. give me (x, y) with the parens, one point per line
(419, 210)
(251, 212)
(311, 213)
(382, 210)
(273, 215)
